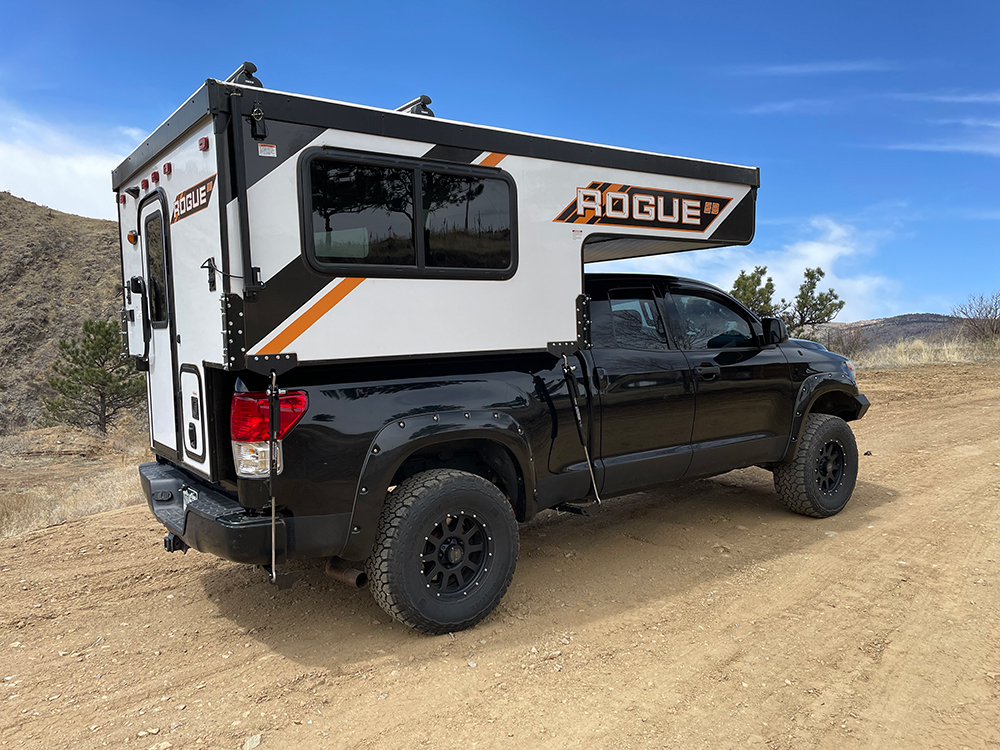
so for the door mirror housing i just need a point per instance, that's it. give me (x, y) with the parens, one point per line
(775, 331)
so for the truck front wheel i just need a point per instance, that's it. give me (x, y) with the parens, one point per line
(445, 551)
(819, 481)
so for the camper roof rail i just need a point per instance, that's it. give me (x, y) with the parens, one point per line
(245, 75)
(418, 106)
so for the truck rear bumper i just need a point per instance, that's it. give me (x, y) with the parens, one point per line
(209, 521)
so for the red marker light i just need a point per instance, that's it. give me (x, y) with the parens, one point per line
(144, 184)
(121, 199)
(203, 144)
(155, 177)
(168, 168)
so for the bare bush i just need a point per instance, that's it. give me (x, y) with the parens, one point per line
(980, 316)
(850, 341)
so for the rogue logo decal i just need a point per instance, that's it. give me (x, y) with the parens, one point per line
(192, 200)
(605, 203)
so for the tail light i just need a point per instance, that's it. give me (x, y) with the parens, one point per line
(249, 424)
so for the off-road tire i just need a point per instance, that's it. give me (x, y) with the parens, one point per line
(819, 481)
(474, 561)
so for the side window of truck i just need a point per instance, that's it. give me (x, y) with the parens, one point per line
(636, 320)
(707, 323)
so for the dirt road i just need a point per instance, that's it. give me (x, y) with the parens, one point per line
(704, 615)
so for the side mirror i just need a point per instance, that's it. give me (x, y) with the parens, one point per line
(775, 331)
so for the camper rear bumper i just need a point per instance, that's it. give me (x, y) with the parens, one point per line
(209, 521)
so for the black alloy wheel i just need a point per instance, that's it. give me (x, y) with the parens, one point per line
(456, 555)
(830, 467)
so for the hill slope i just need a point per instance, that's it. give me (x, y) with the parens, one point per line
(888, 331)
(56, 270)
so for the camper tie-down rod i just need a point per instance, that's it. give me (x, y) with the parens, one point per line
(274, 394)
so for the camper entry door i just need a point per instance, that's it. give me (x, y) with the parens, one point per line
(154, 233)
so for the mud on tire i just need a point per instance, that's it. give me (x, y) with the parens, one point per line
(445, 551)
(819, 481)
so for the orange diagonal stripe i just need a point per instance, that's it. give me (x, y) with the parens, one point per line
(302, 323)
(493, 159)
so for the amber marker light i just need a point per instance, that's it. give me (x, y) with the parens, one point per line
(132, 237)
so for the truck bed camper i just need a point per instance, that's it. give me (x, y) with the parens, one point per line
(352, 316)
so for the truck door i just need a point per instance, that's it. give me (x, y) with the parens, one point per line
(744, 390)
(645, 390)
(158, 308)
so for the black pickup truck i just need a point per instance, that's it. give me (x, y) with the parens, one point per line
(419, 470)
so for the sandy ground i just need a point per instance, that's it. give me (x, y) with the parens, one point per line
(703, 615)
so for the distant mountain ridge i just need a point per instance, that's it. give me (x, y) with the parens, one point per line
(889, 331)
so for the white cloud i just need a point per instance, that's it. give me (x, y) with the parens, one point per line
(828, 244)
(983, 146)
(954, 97)
(819, 68)
(792, 106)
(47, 164)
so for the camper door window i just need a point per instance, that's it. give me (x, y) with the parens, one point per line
(153, 231)
(399, 217)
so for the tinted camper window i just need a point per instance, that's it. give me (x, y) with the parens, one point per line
(362, 213)
(153, 231)
(466, 221)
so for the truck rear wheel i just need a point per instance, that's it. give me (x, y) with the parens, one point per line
(819, 481)
(445, 551)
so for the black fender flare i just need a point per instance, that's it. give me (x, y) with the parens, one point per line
(399, 439)
(811, 389)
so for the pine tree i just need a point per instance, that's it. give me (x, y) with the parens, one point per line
(810, 308)
(753, 291)
(93, 380)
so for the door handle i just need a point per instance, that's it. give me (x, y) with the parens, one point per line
(707, 371)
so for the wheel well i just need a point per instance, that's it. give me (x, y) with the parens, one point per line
(837, 403)
(484, 458)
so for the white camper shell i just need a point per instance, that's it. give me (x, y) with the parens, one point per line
(260, 227)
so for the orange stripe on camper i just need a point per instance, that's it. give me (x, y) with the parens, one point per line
(302, 323)
(493, 159)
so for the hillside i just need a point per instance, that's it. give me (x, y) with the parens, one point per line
(56, 269)
(889, 331)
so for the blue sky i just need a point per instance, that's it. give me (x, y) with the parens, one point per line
(876, 126)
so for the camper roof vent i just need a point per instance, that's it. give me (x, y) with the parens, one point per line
(418, 106)
(245, 75)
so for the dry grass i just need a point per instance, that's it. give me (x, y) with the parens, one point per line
(47, 505)
(921, 352)
(56, 474)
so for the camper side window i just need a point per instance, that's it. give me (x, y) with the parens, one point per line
(380, 215)
(153, 230)
(362, 213)
(466, 221)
